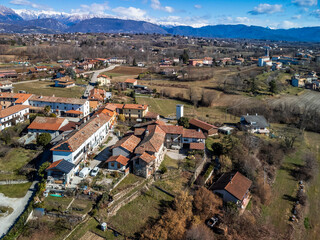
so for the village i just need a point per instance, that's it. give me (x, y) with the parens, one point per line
(103, 147)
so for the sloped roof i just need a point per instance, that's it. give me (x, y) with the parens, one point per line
(61, 165)
(197, 146)
(135, 106)
(20, 97)
(120, 159)
(191, 133)
(147, 157)
(58, 99)
(152, 141)
(151, 115)
(235, 184)
(139, 131)
(201, 124)
(47, 123)
(130, 80)
(11, 110)
(256, 120)
(78, 137)
(129, 143)
(171, 129)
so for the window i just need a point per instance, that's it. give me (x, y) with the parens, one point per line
(112, 164)
(119, 165)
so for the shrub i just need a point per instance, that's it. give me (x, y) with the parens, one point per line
(44, 139)
(163, 169)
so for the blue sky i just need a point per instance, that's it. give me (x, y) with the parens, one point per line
(274, 14)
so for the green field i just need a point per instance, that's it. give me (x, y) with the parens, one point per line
(15, 190)
(14, 160)
(45, 88)
(127, 182)
(132, 217)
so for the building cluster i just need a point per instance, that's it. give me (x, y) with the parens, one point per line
(309, 81)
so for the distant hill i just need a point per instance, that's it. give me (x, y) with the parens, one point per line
(31, 21)
(113, 25)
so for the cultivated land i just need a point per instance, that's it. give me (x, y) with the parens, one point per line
(46, 88)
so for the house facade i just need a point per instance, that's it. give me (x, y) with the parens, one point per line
(135, 110)
(254, 124)
(104, 80)
(13, 115)
(60, 105)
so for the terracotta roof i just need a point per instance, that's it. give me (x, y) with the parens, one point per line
(201, 124)
(151, 115)
(58, 99)
(47, 123)
(70, 126)
(135, 106)
(152, 141)
(120, 159)
(104, 76)
(114, 106)
(235, 184)
(191, 133)
(11, 110)
(197, 146)
(74, 112)
(20, 97)
(171, 129)
(130, 80)
(139, 131)
(145, 124)
(147, 157)
(97, 94)
(77, 138)
(129, 143)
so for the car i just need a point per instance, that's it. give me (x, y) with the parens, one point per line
(212, 221)
(94, 172)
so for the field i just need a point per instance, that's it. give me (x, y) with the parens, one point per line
(127, 70)
(15, 190)
(125, 183)
(13, 161)
(45, 88)
(167, 107)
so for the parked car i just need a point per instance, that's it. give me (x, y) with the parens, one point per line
(94, 172)
(212, 221)
(84, 172)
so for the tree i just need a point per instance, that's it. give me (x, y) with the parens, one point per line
(121, 118)
(217, 148)
(185, 56)
(134, 63)
(273, 86)
(47, 109)
(44, 139)
(71, 73)
(200, 232)
(42, 168)
(206, 203)
(184, 122)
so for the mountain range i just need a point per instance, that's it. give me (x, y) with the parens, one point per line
(28, 21)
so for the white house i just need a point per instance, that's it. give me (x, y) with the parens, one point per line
(254, 124)
(82, 141)
(61, 106)
(262, 61)
(104, 80)
(13, 115)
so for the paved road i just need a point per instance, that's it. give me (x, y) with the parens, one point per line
(18, 205)
(94, 79)
(30, 81)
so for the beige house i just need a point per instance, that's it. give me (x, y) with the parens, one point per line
(103, 80)
(135, 110)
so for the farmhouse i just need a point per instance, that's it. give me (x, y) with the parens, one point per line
(130, 83)
(207, 128)
(135, 110)
(104, 80)
(233, 188)
(13, 115)
(119, 163)
(64, 82)
(49, 125)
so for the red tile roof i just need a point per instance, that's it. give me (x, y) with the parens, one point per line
(151, 115)
(11, 110)
(191, 133)
(170, 129)
(20, 97)
(129, 143)
(74, 112)
(120, 159)
(235, 184)
(147, 157)
(152, 141)
(129, 80)
(197, 146)
(201, 124)
(135, 106)
(58, 99)
(47, 123)
(139, 131)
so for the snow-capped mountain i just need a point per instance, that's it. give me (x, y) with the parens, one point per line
(61, 16)
(7, 14)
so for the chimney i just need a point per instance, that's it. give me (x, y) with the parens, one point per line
(84, 120)
(77, 126)
(147, 132)
(199, 130)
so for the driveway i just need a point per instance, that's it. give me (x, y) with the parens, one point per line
(18, 205)
(105, 153)
(98, 72)
(176, 154)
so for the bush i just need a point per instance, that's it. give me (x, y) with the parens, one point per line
(44, 139)
(184, 122)
(163, 169)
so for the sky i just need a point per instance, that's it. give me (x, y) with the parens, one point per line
(196, 13)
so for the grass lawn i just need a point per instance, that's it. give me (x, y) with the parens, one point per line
(45, 88)
(15, 190)
(84, 205)
(93, 226)
(132, 217)
(169, 163)
(14, 160)
(127, 182)
(56, 203)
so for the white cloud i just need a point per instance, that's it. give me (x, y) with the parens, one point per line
(234, 20)
(296, 17)
(30, 4)
(130, 13)
(316, 13)
(286, 25)
(197, 6)
(265, 8)
(183, 21)
(156, 5)
(94, 8)
(305, 3)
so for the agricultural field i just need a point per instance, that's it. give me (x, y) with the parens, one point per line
(15, 190)
(46, 88)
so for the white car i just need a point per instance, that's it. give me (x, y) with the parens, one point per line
(94, 172)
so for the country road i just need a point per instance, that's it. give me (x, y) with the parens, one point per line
(18, 205)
